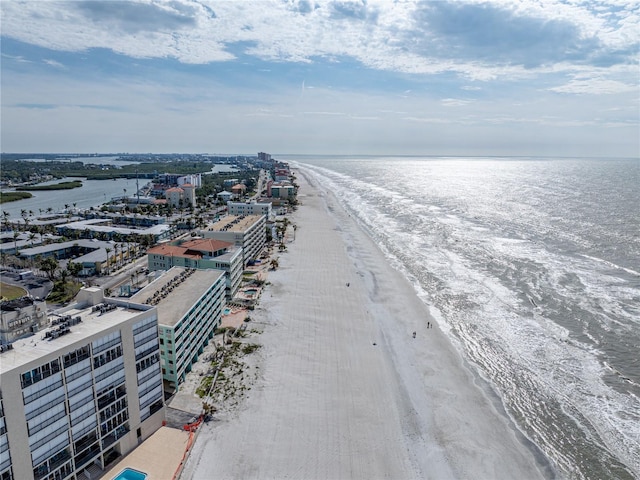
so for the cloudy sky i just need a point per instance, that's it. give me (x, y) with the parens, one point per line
(528, 77)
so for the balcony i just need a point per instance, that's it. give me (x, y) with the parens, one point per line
(114, 436)
(87, 456)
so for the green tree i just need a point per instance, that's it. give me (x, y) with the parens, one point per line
(74, 269)
(49, 265)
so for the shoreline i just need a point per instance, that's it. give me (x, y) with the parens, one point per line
(345, 391)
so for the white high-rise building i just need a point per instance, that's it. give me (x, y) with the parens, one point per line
(82, 393)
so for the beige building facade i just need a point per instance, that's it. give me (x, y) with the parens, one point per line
(248, 232)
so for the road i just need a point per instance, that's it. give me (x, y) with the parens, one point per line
(122, 276)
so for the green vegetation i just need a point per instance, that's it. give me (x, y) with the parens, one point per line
(233, 375)
(13, 196)
(248, 348)
(57, 186)
(49, 265)
(15, 169)
(204, 387)
(63, 291)
(11, 292)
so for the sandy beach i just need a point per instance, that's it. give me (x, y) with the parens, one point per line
(345, 390)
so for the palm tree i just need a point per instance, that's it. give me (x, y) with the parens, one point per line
(115, 255)
(32, 237)
(108, 250)
(5, 220)
(15, 242)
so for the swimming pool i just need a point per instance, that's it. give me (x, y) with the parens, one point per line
(130, 474)
(226, 311)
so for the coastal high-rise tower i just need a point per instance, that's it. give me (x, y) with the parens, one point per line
(82, 393)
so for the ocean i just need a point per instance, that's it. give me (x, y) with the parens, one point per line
(532, 268)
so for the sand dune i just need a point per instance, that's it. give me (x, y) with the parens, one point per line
(345, 390)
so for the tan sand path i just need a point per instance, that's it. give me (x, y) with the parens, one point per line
(329, 403)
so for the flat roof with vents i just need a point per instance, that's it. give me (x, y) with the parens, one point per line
(175, 292)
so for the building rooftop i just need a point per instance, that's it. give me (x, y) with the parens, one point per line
(173, 250)
(176, 291)
(207, 245)
(195, 249)
(98, 249)
(234, 223)
(102, 225)
(16, 304)
(91, 322)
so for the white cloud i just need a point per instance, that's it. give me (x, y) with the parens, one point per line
(430, 97)
(54, 63)
(591, 85)
(17, 58)
(454, 102)
(379, 33)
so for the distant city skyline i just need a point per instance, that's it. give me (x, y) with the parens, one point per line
(547, 78)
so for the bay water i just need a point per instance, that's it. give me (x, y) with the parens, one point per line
(93, 193)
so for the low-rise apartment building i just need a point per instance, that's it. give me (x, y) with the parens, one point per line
(82, 393)
(248, 232)
(103, 229)
(21, 317)
(190, 304)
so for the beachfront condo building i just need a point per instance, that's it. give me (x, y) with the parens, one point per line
(250, 208)
(281, 190)
(81, 393)
(248, 232)
(190, 304)
(201, 253)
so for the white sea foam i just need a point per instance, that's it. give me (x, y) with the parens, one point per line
(612, 265)
(458, 260)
